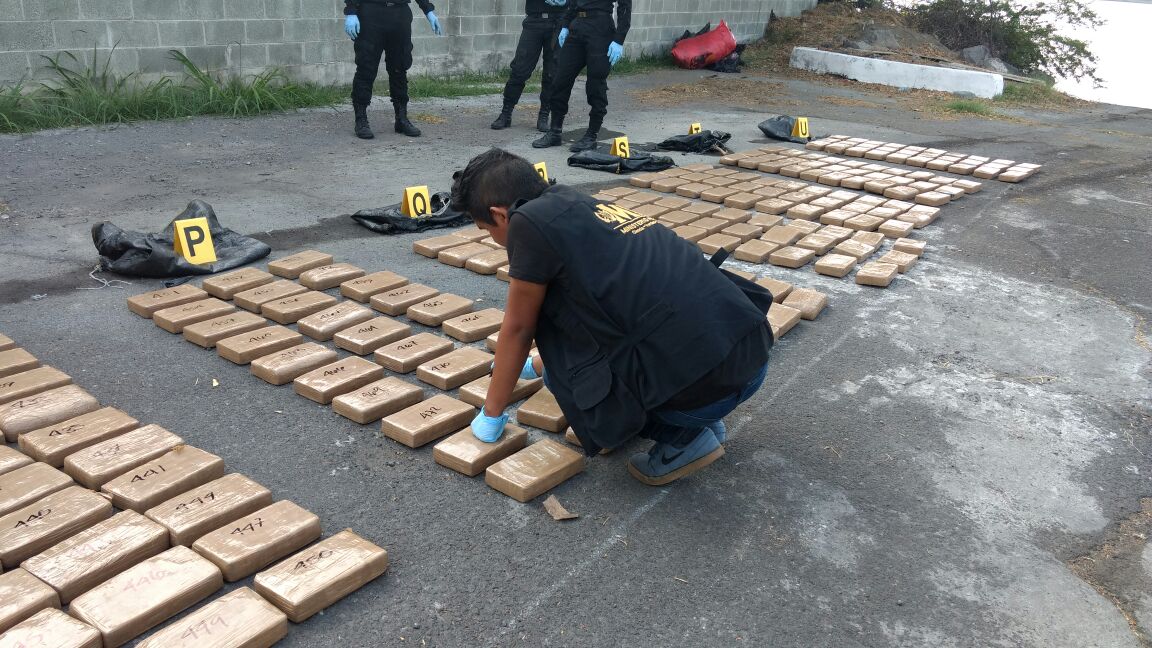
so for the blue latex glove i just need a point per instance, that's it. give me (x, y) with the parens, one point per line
(556, 3)
(435, 22)
(488, 428)
(528, 372)
(615, 51)
(563, 36)
(352, 26)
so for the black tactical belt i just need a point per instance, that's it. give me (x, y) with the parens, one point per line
(589, 14)
(545, 15)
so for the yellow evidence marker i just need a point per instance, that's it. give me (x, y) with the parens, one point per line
(193, 240)
(800, 128)
(620, 146)
(416, 201)
(542, 169)
(694, 128)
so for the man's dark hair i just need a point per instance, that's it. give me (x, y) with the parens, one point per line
(495, 178)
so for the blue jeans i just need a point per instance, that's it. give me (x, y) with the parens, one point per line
(679, 428)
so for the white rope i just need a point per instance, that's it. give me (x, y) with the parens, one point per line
(105, 283)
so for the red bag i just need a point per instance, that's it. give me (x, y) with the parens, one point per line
(704, 50)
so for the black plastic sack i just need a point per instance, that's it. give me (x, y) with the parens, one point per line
(139, 254)
(780, 127)
(638, 161)
(706, 141)
(389, 220)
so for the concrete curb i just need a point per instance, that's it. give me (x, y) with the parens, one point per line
(900, 75)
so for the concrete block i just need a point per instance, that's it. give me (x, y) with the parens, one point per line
(301, 30)
(242, 8)
(285, 54)
(103, 9)
(895, 73)
(81, 34)
(264, 31)
(174, 33)
(14, 9)
(223, 32)
(14, 66)
(158, 60)
(21, 36)
(51, 10)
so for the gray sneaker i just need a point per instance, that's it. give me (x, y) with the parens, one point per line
(664, 464)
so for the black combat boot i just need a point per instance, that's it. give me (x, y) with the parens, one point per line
(363, 130)
(542, 120)
(587, 141)
(551, 137)
(504, 120)
(402, 124)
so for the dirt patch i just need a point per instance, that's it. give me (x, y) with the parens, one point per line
(750, 93)
(850, 102)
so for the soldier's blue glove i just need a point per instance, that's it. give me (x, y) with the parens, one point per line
(488, 428)
(352, 26)
(556, 3)
(563, 36)
(529, 371)
(615, 51)
(435, 22)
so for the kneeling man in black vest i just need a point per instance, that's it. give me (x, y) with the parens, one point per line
(638, 333)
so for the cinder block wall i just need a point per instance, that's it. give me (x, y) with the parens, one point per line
(306, 37)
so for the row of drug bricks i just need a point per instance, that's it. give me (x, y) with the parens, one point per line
(127, 526)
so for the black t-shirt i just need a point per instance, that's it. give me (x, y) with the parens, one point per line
(531, 258)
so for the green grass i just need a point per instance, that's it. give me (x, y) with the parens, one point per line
(644, 64)
(426, 86)
(968, 106)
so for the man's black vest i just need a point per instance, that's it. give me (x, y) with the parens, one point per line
(635, 316)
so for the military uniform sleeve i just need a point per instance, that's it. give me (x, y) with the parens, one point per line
(623, 19)
(530, 256)
(425, 6)
(351, 7)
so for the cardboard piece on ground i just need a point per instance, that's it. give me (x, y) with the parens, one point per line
(239, 618)
(396, 301)
(147, 303)
(53, 443)
(246, 545)
(315, 578)
(226, 286)
(534, 470)
(471, 327)
(877, 274)
(297, 307)
(174, 319)
(44, 409)
(433, 311)
(29, 484)
(98, 553)
(376, 400)
(810, 303)
(542, 411)
(367, 336)
(324, 324)
(147, 594)
(487, 263)
(283, 367)
(27, 531)
(427, 421)
(430, 247)
(329, 276)
(290, 267)
(23, 595)
(835, 265)
(246, 347)
(476, 391)
(470, 456)
(98, 464)
(208, 332)
(180, 469)
(11, 459)
(191, 514)
(253, 298)
(557, 510)
(361, 289)
(782, 318)
(456, 368)
(403, 356)
(325, 383)
(14, 361)
(63, 631)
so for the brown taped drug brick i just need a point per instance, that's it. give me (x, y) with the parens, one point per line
(854, 249)
(969, 186)
(933, 198)
(53, 443)
(755, 251)
(702, 209)
(779, 289)
(50, 622)
(467, 455)
(11, 459)
(836, 232)
(228, 284)
(193, 513)
(805, 212)
(620, 192)
(471, 327)
(490, 342)
(502, 274)
(321, 575)
(810, 303)
(253, 298)
(459, 255)
(376, 400)
(690, 233)
(534, 470)
(246, 347)
(875, 273)
(667, 185)
(6, 343)
(427, 421)
(433, 311)
(791, 257)
(283, 367)
(31, 382)
(874, 239)
(329, 381)
(44, 409)
(733, 215)
(150, 302)
(782, 318)
(671, 202)
(902, 193)
(295, 308)
(644, 197)
(711, 244)
(651, 210)
(246, 545)
(180, 469)
(817, 242)
(692, 189)
(396, 301)
(239, 618)
(430, 247)
(456, 368)
(147, 594)
(475, 392)
(742, 200)
(22, 595)
(743, 231)
(864, 222)
(26, 485)
(98, 553)
(291, 267)
(211, 331)
(911, 246)
(644, 179)
(782, 235)
(917, 218)
(98, 464)
(674, 219)
(710, 224)
(470, 233)
(361, 289)
(765, 221)
(902, 260)
(487, 263)
(324, 324)
(372, 334)
(542, 411)
(835, 265)
(30, 530)
(895, 228)
(175, 318)
(405, 355)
